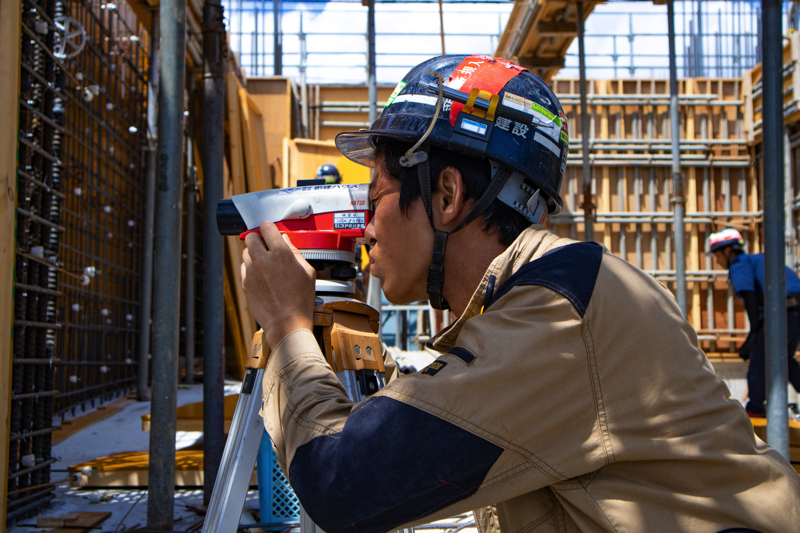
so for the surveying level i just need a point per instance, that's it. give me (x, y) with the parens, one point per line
(324, 222)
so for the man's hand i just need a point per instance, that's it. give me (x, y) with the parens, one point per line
(278, 284)
(747, 346)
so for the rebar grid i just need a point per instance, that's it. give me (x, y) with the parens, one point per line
(80, 164)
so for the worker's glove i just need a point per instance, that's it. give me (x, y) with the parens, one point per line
(747, 346)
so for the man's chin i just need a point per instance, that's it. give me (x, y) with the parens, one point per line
(399, 299)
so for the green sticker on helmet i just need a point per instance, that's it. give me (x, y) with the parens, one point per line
(395, 93)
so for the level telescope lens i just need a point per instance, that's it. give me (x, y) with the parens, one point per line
(229, 221)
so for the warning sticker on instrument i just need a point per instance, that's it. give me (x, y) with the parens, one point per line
(349, 220)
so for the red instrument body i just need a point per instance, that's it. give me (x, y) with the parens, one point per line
(324, 231)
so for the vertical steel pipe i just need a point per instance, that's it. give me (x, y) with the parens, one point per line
(167, 264)
(678, 200)
(372, 85)
(588, 201)
(774, 267)
(191, 184)
(374, 288)
(277, 37)
(213, 243)
(145, 309)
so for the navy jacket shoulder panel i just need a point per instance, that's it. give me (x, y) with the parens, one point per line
(570, 271)
(421, 464)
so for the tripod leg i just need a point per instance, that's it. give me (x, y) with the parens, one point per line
(238, 460)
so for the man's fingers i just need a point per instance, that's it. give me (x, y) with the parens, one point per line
(272, 236)
(255, 244)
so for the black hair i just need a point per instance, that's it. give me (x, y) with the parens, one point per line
(498, 218)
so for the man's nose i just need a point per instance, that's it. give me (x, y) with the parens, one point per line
(369, 233)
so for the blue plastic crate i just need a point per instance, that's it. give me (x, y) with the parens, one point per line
(276, 499)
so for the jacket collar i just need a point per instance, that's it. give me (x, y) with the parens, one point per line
(531, 244)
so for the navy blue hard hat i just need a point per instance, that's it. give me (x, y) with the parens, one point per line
(330, 173)
(523, 126)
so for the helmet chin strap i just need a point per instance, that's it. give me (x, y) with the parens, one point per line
(436, 270)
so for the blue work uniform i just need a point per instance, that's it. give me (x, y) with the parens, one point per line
(747, 274)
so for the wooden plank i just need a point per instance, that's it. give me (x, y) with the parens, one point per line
(190, 416)
(71, 427)
(272, 95)
(236, 310)
(130, 469)
(538, 62)
(237, 176)
(73, 521)
(552, 28)
(9, 107)
(258, 143)
(252, 162)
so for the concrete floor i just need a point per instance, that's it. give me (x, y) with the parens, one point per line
(122, 432)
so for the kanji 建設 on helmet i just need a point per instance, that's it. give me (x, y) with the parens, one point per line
(727, 237)
(481, 107)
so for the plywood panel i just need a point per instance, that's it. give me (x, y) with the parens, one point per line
(306, 156)
(9, 108)
(273, 97)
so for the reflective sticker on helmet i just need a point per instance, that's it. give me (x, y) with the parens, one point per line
(543, 119)
(564, 128)
(487, 73)
(547, 143)
(416, 99)
(530, 107)
(395, 93)
(474, 127)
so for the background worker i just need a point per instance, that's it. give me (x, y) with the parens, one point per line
(330, 173)
(570, 394)
(746, 274)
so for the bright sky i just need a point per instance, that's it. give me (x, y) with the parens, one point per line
(408, 33)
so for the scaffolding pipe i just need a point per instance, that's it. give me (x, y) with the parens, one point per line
(371, 80)
(678, 200)
(214, 53)
(774, 253)
(191, 184)
(277, 36)
(145, 308)
(587, 172)
(167, 265)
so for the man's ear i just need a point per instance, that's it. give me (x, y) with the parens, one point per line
(448, 201)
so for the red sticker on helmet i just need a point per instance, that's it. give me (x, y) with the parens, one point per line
(487, 73)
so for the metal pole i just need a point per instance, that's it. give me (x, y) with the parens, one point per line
(441, 25)
(371, 83)
(774, 252)
(214, 54)
(167, 266)
(277, 37)
(588, 201)
(678, 200)
(146, 305)
(374, 288)
(191, 185)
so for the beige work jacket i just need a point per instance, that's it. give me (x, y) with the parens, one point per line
(574, 397)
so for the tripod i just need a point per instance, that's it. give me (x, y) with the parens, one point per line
(346, 330)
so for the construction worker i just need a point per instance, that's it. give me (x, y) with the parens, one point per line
(570, 395)
(329, 173)
(746, 274)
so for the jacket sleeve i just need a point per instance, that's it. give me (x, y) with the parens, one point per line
(474, 428)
